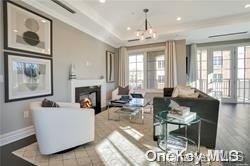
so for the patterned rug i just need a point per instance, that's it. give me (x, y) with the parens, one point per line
(117, 143)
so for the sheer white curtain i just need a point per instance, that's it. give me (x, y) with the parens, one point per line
(170, 64)
(123, 67)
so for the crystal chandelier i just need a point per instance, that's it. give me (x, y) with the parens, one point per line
(148, 32)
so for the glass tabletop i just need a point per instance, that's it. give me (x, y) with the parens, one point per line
(163, 116)
(135, 102)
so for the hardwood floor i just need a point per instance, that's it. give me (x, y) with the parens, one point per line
(233, 129)
(8, 159)
(233, 134)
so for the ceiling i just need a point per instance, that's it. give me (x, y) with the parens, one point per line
(109, 21)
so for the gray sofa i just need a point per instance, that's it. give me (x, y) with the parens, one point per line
(205, 106)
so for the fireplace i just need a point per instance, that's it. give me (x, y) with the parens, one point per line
(89, 97)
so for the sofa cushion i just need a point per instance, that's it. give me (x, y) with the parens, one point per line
(123, 90)
(49, 103)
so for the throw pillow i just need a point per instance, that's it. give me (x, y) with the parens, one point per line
(49, 103)
(181, 91)
(175, 92)
(194, 95)
(123, 90)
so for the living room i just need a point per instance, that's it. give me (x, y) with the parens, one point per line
(107, 82)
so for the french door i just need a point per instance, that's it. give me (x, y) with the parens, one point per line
(222, 78)
(224, 73)
(243, 74)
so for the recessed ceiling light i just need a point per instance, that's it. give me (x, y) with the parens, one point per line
(128, 28)
(178, 18)
(247, 6)
(102, 1)
(43, 21)
(15, 30)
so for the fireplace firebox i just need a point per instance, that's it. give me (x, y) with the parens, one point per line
(89, 97)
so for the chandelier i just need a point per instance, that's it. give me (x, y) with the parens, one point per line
(148, 32)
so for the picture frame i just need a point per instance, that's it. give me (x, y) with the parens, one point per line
(27, 76)
(26, 31)
(110, 66)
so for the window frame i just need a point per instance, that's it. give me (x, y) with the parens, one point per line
(234, 47)
(144, 53)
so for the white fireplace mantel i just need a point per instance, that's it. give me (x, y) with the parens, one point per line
(76, 83)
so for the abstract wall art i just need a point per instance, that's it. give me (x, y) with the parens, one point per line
(27, 76)
(110, 66)
(26, 31)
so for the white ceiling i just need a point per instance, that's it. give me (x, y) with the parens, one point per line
(108, 21)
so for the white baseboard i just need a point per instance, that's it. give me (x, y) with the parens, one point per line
(16, 135)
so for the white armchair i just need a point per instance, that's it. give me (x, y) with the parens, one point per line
(61, 128)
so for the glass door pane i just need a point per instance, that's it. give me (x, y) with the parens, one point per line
(222, 74)
(243, 74)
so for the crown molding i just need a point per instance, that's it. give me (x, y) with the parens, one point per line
(95, 25)
(91, 27)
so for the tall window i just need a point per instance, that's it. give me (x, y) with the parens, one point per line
(202, 70)
(243, 74)
(147, 70)
(136, 71)
(155, 70)
(224, 72)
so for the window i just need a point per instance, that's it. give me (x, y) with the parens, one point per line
(243, 74)
(161, 64)
(217, 61)
(202, 76)
(155, 70)
(161, 79)
(136, 71)
(147, 70)
(224, 72)
(217, 77)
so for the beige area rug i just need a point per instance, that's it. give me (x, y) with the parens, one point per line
(117, 143)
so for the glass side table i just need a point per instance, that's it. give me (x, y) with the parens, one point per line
(167, 141)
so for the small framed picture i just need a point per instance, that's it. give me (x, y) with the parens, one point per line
(110, 66)
(26, 31)
(27, 76)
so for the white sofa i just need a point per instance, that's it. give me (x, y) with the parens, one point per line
(62, 128)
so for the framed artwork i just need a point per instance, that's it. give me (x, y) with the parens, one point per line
(27, 76)
(110, 66)
(26, 31)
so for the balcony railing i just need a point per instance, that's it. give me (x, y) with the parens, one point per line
(221, 88)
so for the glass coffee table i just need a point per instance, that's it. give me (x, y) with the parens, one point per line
(167, 141)
(133, 108)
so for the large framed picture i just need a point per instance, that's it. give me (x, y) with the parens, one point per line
(110, 66)
(27, 76)
(26, 31)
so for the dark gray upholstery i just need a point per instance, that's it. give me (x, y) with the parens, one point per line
(205, 106)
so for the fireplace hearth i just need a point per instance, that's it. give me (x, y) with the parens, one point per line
(89, 97)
